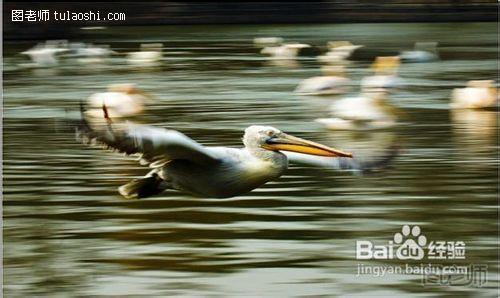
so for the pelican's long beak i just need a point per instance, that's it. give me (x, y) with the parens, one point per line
(290, 143)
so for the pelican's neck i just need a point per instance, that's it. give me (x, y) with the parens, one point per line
(275, 158)
(262, 153)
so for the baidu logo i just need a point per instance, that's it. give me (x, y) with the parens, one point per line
(410, 244)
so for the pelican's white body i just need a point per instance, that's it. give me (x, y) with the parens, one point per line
(239, 171)
(363, 112)
(324, 85)
(338, 52)
(44, 55)
(418, 56)
(423, 52)
(89, 54)
(150, 54)
(143, 57)
(333, 57)
(267, 41)
(285, 51)
(376, 82)
(474, 98)
(119, 104)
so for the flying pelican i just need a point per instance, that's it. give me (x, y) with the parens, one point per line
(180, 163)
(149, 55)
(367, 111)
(478, 94)
(284, 51)
(333, 82)
(423, 52)
(122, 100)
(385, 74)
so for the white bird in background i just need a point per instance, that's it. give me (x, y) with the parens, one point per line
(423, 52)
(267, 41)
(338, 52)
(121, 100)
(284, 51)
(333, 82)
(479, 94)
(149, 55)
(385, 75)
(369, 111)
(89, 53)
(45, 54)
(180, 163)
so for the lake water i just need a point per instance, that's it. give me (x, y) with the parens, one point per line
(68, 232)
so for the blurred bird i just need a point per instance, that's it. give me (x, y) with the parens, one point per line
(44, 54)
(284, 51)
(370, 110)
(180, 163)
(476, 127)
(479, 94)
(385, 74)
(339, 52)
(149, 55)
(121, 100)
(333, 82)
(423, 52)
(89, 53)
(267, 41)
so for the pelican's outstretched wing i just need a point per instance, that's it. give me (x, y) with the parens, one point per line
(345, 163)
(156, 146)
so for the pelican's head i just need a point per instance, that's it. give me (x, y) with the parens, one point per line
(272, 139)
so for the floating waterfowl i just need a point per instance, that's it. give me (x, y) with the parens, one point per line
(385, 75)
(284, 51)
(479, 94)
(121, 100)
(333, 82)
(149, 55)
(45, 54)
(89, 53)
(338, 52)
(423, 52)
(267, 41)
(367, 111)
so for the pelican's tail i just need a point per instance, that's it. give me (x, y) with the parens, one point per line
(143, 187)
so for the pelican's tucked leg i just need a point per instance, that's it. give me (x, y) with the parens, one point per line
(150, 185)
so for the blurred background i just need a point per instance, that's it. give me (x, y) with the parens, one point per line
(360, 76)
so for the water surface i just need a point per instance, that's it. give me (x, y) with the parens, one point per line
(67, 230)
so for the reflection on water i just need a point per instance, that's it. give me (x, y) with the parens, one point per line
(67, 231)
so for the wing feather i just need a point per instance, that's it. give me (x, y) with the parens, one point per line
(156, 146)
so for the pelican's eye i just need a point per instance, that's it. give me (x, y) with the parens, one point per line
(270, 133)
